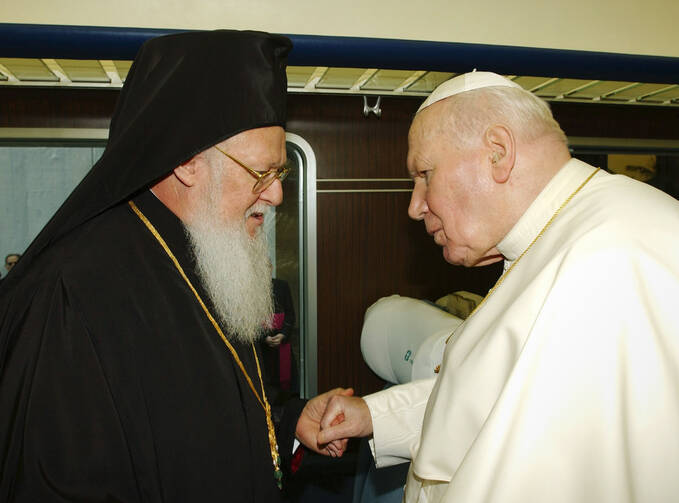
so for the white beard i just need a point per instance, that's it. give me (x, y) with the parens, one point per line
(235, 271)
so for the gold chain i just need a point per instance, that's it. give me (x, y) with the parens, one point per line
(273, 444)
(547, 225)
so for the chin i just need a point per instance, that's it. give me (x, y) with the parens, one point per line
(451, 259)
(469, 260)
(488, 260)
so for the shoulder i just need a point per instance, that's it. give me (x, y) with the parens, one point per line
(110, 242)
(95, 254)
(614, 245)
(622, 200)
(617, 216)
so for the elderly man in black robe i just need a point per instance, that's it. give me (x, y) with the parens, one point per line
(127, 365)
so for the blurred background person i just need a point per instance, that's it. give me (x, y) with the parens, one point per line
(279, 367)
(10, 262)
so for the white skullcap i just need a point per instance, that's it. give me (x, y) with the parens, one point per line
(466, 82)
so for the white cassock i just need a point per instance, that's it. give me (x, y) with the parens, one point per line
(564, 385)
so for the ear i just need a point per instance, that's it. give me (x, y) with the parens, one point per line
(500, 142)
(188, 172)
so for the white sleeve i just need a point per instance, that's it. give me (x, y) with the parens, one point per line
(397, 415)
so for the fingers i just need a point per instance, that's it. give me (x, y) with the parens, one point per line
(339, 445)
(345, 417)
(340, 432)
(336, 448)
(330, 393)
(338, 419)
(332, 450)
(333, 410)
(340, 391)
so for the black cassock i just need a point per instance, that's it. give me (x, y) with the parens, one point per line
(118, 387)
(114, 385)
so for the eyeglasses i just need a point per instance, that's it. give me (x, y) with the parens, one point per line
(264, 178)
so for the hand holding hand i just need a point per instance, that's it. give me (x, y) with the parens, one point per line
(309, 424)
(345, 417)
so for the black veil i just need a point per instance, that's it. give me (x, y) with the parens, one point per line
(184, 93)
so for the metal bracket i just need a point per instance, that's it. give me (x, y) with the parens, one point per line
(375, 109)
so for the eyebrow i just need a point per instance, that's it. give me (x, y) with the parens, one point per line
(412, 170)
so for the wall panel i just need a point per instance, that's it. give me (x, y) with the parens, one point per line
(56, 108)
(368, 248)
(349, 145)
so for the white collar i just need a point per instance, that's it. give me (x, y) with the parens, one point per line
(548, 201)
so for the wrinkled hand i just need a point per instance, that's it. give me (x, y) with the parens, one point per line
(273, 341)
(309, 424)
(345, 417)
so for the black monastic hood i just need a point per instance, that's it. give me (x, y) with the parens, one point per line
(184, 93)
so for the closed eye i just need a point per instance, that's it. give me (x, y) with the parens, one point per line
(426, 175)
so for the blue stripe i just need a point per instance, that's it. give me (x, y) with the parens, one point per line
(88, 42)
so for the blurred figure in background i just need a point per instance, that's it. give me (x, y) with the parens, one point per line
(10, 261)
(278, 363)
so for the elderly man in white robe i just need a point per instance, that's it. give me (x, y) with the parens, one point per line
(563, 385)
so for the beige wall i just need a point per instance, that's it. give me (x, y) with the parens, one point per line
(623, 26)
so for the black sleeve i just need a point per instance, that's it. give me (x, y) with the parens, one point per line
(285, 419)
(61, 438)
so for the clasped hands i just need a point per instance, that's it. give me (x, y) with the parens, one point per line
(329, 420)
(273, 341)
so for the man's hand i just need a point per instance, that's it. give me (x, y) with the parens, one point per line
(309, 424)
(273, 341)
(345, 417)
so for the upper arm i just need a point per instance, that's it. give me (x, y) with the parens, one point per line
(65, 437)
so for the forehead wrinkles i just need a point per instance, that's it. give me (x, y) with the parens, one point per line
(424, 132)
(260, 149)
(423, 123)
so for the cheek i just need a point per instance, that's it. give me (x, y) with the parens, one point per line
(455, 219)
(442, 207)
(236, 204)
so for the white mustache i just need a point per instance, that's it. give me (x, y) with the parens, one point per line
(259, 207)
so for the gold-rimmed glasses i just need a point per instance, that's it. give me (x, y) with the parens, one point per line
(264, 178)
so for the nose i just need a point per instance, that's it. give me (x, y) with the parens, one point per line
(273, 194)
(418, 204)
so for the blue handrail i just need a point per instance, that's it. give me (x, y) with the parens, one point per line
(94, 42)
